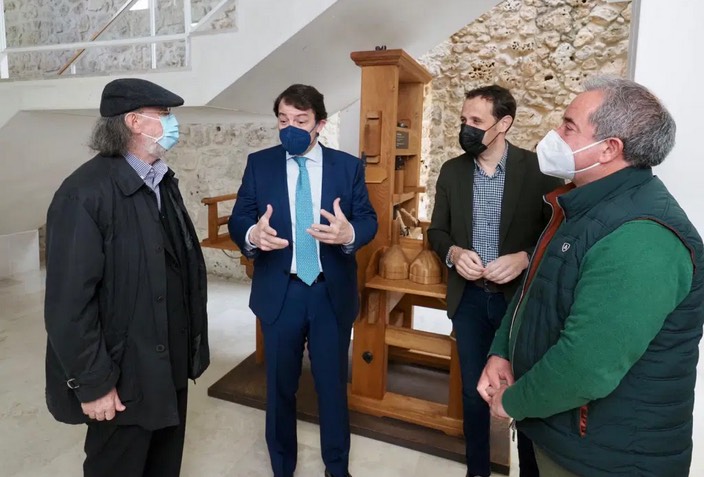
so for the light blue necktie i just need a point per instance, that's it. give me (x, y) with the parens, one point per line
(306, 252)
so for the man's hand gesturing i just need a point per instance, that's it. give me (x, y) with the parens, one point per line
(263, 236)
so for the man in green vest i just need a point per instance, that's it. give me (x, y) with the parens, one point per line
(596, 357)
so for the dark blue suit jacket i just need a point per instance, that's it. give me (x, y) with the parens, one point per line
(265, 182)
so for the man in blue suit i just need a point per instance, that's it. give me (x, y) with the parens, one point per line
(302, 212)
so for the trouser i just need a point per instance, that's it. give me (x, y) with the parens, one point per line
(528, 467)
(307, 319)
(550, 468)
(132, 451)
(475, 322)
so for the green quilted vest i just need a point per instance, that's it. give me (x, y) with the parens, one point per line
(644, 427)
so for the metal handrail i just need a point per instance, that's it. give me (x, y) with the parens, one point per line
(128, 4)
(94, 41)
(99, 43)
(208, 17)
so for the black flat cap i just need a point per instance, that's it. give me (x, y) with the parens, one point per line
(127, 94)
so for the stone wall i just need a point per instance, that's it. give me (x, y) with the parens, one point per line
(209, 161)
(44, 22)
(541, 50)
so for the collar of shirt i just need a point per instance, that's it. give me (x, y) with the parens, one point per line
(315, 154)
(502, 163)
(150, 174)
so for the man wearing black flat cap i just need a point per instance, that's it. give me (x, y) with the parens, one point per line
(125, 308)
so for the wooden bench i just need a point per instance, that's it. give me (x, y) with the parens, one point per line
(216, 239)
(222, 241)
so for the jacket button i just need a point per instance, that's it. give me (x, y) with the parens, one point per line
(160, 298)
(158, 249)
(160, 348)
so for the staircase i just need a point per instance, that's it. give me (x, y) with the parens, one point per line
(45, 123)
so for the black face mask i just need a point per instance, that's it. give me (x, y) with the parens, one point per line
(471, 139)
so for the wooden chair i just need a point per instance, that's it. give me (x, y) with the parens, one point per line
(222, 241)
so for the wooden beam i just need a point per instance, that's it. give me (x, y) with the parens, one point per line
(409, 409)
(96, 35)
(369, 352)
(427, 302)
(409, 69)
(418, 340)
(213, 222)
(219, 198)
(406, 356)
(222, 241)
(454, 405)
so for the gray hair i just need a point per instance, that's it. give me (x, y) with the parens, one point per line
(634, 115)
(110, 136)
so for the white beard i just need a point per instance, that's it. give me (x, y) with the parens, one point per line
(155, 150)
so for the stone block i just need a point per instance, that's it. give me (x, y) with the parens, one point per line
(563, 57)
(616, 33)
(556, 20)
(551, 39)
(511, 5)
(605, 14)
(528, 29)
(584, 36)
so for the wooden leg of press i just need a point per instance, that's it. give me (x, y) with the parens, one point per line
(406, 305)
(454, 405)
(369, 350)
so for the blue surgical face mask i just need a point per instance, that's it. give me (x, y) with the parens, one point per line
(169, 131)
(295, 140)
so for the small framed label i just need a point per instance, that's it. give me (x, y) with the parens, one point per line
(402, 139)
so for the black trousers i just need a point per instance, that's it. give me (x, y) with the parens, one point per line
(132, 451)
(475, 323)
(526, 457)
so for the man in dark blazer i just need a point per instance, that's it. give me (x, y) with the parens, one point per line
(125, 307)
(488, 215)
(301, 213)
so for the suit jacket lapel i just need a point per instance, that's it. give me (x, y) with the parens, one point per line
(515, 172)
(328, 188)
(279, 193)
(465, 183)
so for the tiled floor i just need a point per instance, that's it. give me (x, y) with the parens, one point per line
(223, 439)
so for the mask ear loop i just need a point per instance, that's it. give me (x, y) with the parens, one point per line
(587, 147)
(586, 168)
(582, 149)
(155, 139)
(497, 134)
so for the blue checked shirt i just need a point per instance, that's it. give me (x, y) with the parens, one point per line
(486, 213)
(150, 174)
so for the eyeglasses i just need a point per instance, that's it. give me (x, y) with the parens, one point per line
(160, 113)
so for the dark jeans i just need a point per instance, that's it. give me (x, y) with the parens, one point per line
(475, 323)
